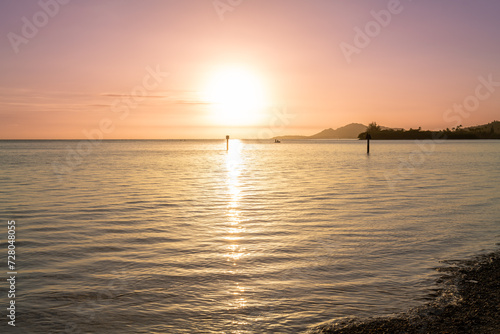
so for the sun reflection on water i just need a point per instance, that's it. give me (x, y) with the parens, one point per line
(234, 230)
(234, 163)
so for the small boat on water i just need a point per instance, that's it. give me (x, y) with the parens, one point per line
(277, 141)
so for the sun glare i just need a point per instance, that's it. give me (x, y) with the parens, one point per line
(237, 97)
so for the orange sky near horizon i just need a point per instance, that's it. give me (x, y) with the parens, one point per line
(253, 69)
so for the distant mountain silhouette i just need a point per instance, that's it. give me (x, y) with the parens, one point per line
(350, 131)
(356, 130)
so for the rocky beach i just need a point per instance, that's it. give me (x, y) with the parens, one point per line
(467, 301)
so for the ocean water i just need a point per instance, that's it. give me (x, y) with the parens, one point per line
(186, 237)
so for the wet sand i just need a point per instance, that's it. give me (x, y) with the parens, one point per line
(467, 301)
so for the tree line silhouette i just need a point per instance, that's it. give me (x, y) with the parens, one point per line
(487, 131)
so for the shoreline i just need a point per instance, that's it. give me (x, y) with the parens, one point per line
(467, 301)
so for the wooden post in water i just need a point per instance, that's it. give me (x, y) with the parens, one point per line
(227, 143)
(368, 137)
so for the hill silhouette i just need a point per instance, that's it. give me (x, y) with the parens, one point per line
(350, 131)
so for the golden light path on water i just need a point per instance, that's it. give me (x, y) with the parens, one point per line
(235, 251)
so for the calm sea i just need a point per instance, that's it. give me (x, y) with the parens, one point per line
(184, 237)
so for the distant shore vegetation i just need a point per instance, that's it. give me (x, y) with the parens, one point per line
(487, 131)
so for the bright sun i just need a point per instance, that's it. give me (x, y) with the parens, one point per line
(237, 97)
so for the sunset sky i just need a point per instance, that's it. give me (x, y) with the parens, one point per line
(249, 68)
